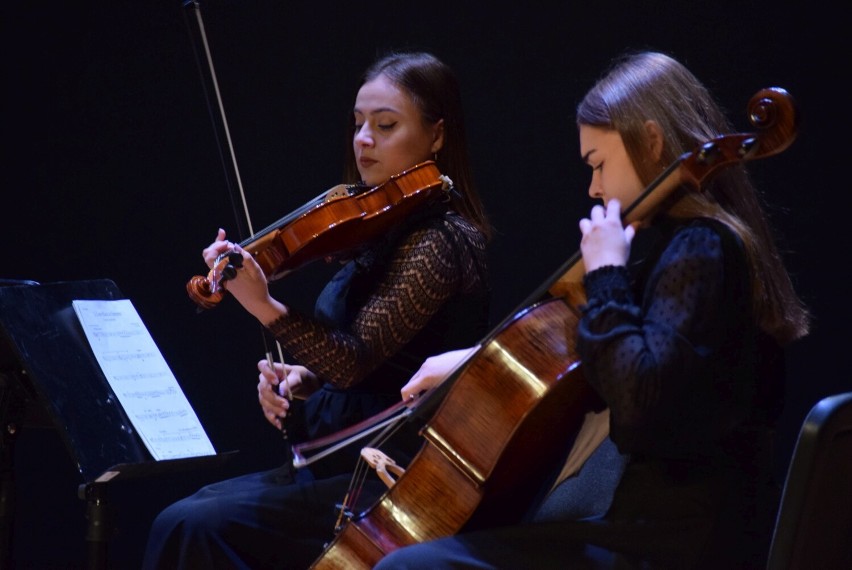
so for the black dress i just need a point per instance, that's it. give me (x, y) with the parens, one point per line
(694, 390)
(423, 290)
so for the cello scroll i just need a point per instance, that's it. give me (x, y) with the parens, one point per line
(772, 111)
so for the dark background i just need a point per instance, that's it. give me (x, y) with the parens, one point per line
(112, 170)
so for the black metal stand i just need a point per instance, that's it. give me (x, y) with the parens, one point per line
(99, 527)
(7, 492)
(48, 372)
(13, 407)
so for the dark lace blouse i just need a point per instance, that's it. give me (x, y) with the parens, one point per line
(422, 291)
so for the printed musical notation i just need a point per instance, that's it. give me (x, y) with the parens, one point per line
(142, 380)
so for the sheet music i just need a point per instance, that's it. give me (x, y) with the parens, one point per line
(142, 380)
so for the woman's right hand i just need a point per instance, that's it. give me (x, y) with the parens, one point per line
(278, 380)
(605, 241)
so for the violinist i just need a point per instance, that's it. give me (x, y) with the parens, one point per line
(420, 289)
(681, 337)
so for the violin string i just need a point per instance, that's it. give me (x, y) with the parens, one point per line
(276, 225)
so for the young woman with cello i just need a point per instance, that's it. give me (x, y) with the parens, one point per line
(680, 336)
(419, 288)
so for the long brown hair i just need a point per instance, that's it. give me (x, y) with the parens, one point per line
(433, 87)
(653, 86)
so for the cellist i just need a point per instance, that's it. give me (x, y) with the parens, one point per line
(681, 336)
(420, 289)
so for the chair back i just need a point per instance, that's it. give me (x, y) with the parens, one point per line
(814, 524)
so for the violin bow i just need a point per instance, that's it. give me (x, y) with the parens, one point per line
(232, 173)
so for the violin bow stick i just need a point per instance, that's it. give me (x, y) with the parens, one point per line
(232, 173)
(222, 132)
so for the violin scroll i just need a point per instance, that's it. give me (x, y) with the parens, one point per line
(207, 292)
(199, 290)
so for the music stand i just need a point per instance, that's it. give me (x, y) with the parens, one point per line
(49, 374)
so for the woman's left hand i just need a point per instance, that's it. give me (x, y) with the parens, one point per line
(434, 371)
(250, 287)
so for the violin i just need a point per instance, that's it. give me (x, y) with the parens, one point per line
(502, 417)
(339, 220)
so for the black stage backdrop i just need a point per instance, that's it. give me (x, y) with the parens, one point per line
(112, 170)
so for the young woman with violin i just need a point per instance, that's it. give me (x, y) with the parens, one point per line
(419, 289)
(680, 336)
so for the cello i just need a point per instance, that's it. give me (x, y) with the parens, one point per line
(485, 438)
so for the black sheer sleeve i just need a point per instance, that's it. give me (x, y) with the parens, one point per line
(650, 359)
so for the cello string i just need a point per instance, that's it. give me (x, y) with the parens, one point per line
(359, 475)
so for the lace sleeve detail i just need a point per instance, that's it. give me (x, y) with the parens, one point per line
(428, 267)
